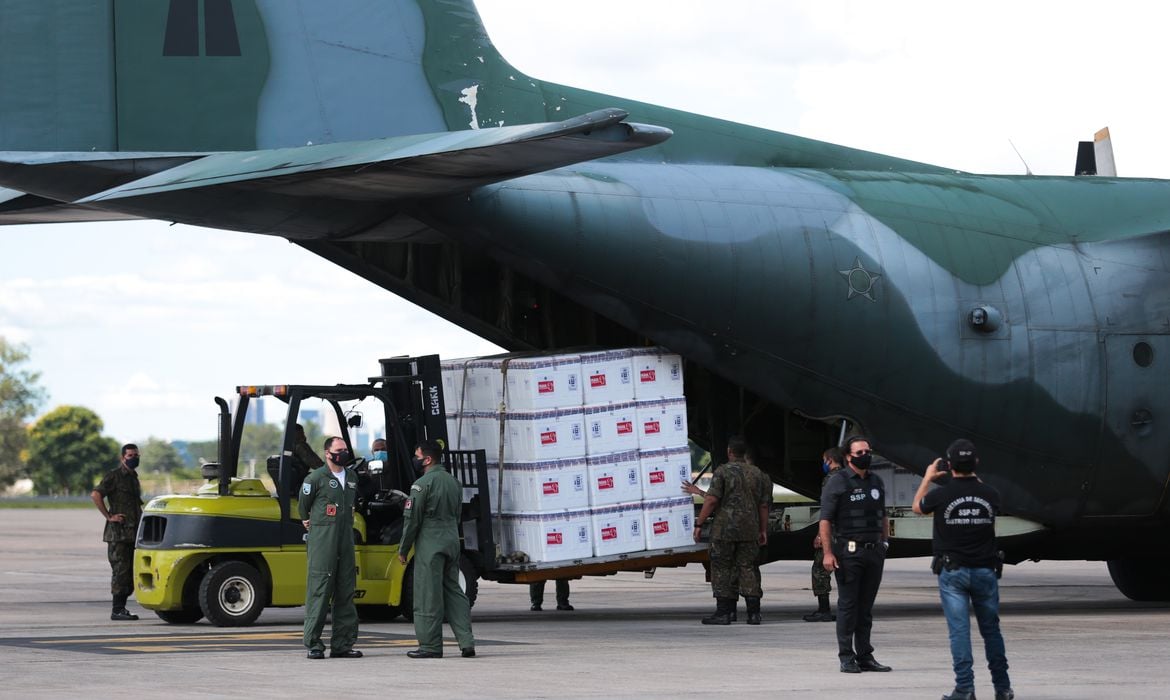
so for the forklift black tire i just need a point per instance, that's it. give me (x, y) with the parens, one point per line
(377, 613)
(406, 604)
(232, 594)
(185, 616)
(468, 579)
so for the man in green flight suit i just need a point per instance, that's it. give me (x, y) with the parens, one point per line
(326, 503)
(432, 528)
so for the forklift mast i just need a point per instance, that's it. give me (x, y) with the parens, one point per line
(415, 385)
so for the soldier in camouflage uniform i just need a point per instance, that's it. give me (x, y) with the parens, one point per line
(822, 580)
(743, 496)
(120, 487)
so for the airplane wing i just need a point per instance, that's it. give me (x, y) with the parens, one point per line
(20, 208)
(259, 190)
(406, 166)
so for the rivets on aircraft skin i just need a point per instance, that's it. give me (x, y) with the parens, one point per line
(985, 318)
(861, 281)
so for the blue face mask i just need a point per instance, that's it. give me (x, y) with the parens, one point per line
(379, 455)
(825, 467)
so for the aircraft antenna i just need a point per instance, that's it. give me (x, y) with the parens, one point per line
(1027, 170)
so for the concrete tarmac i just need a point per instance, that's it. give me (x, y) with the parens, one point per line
(1069, 634)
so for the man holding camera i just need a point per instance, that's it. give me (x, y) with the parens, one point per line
(967, 563)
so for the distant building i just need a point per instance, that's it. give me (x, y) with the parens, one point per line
(255, 412)
(311, 415)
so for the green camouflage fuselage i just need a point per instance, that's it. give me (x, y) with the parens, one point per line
(827, 280)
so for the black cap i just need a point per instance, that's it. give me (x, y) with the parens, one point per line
(962, 452)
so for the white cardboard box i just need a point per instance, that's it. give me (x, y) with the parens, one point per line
(614, 478)
(541, 383)
(664, 471)
(540, 436)
(481, 386)
(611, 428)
(478, 430)
(657, 374)
(617, 529)
(607, 376)
(670, 522)
(662, 423)
(548, 536)
(454, 377)
(542, 486)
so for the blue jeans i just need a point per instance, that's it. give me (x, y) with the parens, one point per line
(961, 591)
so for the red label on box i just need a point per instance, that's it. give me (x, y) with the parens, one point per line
(652, 427)
(658, 477)
(625, 426)
(647, 375)
(544, 387)
(550, 438)
(597, 380)
(605, 482)
(552, 538)
(609, 533)
(661, 528)
(551, 488)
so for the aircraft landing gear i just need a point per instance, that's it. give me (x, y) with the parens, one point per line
(1141, 580)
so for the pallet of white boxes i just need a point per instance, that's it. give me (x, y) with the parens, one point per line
(593, 449)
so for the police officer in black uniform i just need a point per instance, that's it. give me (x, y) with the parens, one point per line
(856, 534)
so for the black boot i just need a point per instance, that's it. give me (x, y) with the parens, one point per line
(753, 610)
(734, 605)
(119, 612)
(723, 609)
(823, 613)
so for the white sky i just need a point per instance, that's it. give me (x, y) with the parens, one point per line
(145, 322)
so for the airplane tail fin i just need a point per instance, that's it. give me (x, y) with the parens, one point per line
(1096, 157)
(224, 75)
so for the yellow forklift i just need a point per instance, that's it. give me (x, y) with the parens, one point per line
(234, 548)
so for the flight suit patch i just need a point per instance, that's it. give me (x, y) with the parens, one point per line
(406, 506)
(333, 483)
(307, 488)
(330, 510)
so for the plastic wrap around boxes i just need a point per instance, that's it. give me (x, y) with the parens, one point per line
(594, 449)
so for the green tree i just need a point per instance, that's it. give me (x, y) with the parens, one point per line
(199, 452)
(19, 399)
(159, 455)
(258, 442)
(67, 451)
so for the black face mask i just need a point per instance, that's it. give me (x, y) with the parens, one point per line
(132, 462)
(861, 461)
(418, 464)
(340, 458)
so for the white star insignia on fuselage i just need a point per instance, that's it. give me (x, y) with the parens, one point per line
(861, 281)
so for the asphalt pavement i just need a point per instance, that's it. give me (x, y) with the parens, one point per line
(1069, 634)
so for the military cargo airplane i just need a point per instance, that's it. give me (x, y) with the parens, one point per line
(807, 284)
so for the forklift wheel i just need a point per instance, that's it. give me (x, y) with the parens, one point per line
(377, 613)
(180, 617)
(232, 594)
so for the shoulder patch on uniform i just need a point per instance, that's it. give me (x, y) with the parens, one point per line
(406, 506)
(875, 494)
(415, 487)
(307, 488)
